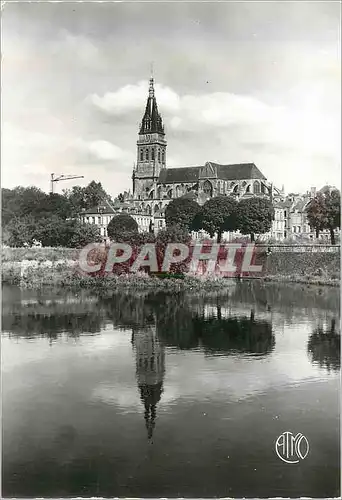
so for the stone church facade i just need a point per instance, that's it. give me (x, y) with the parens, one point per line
(154, 184)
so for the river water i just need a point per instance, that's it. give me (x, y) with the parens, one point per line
(185, 395)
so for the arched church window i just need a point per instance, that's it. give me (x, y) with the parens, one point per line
(163, 157)
(158, 154)
(141, 155)
(169, 193)
(152, 153)
(208, 188)
(256, 187)
(236, 189)
(248, 190)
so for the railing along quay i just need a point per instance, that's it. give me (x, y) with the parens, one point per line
(300, 248)
(285, 248)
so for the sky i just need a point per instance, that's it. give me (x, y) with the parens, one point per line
(235, 82)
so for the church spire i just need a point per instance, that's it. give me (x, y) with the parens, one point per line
(152, 121)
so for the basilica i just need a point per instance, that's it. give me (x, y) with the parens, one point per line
(154, 184)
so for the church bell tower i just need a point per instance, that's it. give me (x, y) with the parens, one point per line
(151, 149)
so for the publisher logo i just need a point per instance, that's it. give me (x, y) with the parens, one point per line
(291, 448)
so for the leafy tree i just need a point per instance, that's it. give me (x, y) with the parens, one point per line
(20, 231)
(21, 202)
(332, 201)
(120, 224)
(218, 215)
(29, 200)
(32, 202)
(181, 212)
(324, 212)
(254, 216)
(83, 234)
(76, 197)
(53, 204)
(29, 213)
(51, 232)
(94, 194)
(316, 213)
(86, 197)
(10, 206)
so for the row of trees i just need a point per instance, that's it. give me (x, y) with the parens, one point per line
(29, 214)
(219, 214)
(222, 213)
(250, 216)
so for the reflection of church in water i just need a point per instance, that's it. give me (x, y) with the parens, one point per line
(150, 370)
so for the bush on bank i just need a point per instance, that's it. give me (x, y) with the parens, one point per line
(63, 275)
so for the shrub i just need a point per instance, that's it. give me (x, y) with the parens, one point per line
(121, 224)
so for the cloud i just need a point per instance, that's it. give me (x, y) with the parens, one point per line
(131, 98)
(101, 150)
(276, 127)
(218, 109)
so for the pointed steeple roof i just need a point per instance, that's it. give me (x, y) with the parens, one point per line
(152, 121)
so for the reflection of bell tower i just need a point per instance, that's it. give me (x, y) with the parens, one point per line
(150, 370)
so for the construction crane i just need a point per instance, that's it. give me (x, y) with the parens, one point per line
(63, 178)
